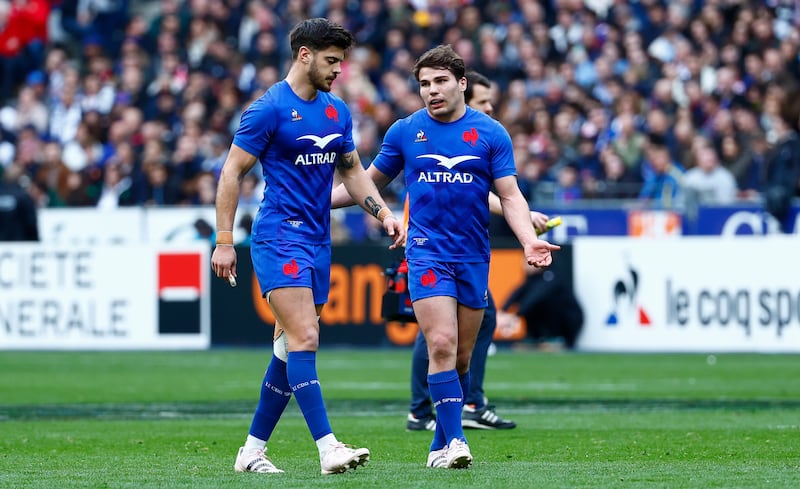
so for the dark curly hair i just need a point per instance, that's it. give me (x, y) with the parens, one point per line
(318, 34)
(441, 57)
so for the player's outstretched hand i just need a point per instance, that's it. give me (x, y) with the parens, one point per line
(395, 230)
(539, 253)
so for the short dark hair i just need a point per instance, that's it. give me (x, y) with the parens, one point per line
(475, 78)
(441, 57)
(318, 34)
(655, 140)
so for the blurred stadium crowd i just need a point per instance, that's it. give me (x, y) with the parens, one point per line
(120, 102)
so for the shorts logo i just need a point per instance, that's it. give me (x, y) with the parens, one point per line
(470, 136)
(428, 279)
(332, 113)
(291, 269)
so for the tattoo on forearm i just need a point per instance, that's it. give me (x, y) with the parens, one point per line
(372, 206)
(346, 161)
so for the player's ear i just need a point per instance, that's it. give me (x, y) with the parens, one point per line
(304, 54)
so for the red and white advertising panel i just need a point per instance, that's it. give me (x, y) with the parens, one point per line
(104, 297)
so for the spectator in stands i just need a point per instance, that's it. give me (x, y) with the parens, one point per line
(114, 190)
(160, 190)
(52, 174)
(568, 184)
(29, 109)
(618, 181)
(708, 182)
(629, 141)
(662, 185)
(18, 218)
(85, 151)
(65, 111)
(671, 70)
(685, 134)
(251, 191)
(783, 166)
(23, 34)
(28, 151)
(98, 21)
(204, 189)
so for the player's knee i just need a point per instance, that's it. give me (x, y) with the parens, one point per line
(306, 339)
(441, 347)
(462, 362)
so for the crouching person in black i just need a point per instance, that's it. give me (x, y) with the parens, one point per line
(547, 303)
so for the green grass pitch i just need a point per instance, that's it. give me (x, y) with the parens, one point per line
(176, 419)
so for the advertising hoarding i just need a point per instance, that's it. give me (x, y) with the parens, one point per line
(104, 297)
(690, 294)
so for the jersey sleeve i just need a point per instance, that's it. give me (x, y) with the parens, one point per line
(257, 125)
(390, 158)
(502, 153)
(348, 145)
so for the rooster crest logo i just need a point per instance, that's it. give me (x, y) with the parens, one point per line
(421, 138)
(332, 113)
(291, 269)
(625, 301)
(470, 136)
(296, 116)
(428, 279)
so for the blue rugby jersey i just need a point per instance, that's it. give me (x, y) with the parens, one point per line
(449, 168)
(298, 143)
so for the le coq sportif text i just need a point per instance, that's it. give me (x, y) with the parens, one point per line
(778, 308)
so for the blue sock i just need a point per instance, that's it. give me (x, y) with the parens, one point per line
(464, 380)
(275, 395)
(301, 372)
(447, 398)
(439, 440)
